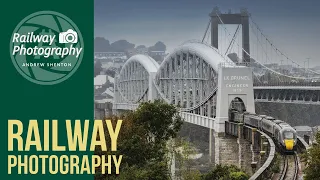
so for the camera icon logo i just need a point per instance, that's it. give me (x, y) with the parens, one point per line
(70, 36)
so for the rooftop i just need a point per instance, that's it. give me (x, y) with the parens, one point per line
(100, 80)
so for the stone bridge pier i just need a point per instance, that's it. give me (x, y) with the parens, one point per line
(233, 82)
(236, 151)
(225, 147)
(235, 147)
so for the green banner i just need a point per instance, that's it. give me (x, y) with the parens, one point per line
(47, 75)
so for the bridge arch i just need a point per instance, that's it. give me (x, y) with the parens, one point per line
(149, 64)
(208, 53)
(195, 77)
(135, 78)
(237, 104)
(188, 77)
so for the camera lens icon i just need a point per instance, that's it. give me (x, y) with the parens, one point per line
(70, 36)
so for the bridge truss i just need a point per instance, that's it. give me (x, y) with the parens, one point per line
(188, 78)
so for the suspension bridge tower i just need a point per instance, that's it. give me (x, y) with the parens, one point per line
(241, 18)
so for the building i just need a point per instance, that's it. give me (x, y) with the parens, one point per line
(157, 55)
(305, 132)
(99, 81)
(103, 96)
(110, 55)
(111, 59)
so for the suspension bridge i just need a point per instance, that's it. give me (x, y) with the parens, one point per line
(203, 79)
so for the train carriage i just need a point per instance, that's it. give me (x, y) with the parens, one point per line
(287, 137)
(283, 134)
(267, 125)
(254, 120)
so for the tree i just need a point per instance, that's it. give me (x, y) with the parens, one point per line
(312, 160)
(121, 46)
(97, 68)
(159, 46)
(276, 165)
(183, 150)
(143, 140)
(110, 72)
(225, 172)
(192, 175)
(101, 44)
(239, 175)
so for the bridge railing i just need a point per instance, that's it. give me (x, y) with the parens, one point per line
(260, 141)
(302, 144)
(311, 83)
(203, 121)
(125, 106)
(264, 172)
(241, 131)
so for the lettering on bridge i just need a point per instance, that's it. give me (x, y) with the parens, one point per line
(237, 83)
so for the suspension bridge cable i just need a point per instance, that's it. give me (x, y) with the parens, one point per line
(278, 73)
(233, 39)
(275, 48)
(205, 33)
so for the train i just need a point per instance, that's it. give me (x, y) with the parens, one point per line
(282, 133)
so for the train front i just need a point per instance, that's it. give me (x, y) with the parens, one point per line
(289, 140)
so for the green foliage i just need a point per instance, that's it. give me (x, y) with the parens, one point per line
(276, 164)
(312, 160)
(318, 138)
(143, 140)
(155, 171)
(191, 175)
(183, 149)
(239, 175)
(219, 172)
(132, 173)
(160, 119)
(227, 172)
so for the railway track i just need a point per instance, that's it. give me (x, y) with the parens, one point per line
(290, 167)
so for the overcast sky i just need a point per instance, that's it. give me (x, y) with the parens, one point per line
(293, 25)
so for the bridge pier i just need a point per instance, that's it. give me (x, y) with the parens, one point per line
(245, 155)
(211, 146)
(233, 82)
(226, 149)
(234, 147)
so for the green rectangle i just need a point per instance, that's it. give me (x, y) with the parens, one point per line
(24, 100)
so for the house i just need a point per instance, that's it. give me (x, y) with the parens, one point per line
(99, 81)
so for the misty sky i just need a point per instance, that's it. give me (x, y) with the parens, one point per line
(293, 25)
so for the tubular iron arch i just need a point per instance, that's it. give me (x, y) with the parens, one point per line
(188, 77)
(134, 78)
